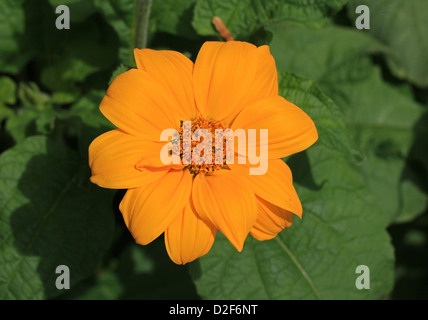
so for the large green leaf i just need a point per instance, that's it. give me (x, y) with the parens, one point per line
(50, 215)
(402, 26)
(381, 117)
(317, 257)
(243, 17)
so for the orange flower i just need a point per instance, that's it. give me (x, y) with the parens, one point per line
(231, 85)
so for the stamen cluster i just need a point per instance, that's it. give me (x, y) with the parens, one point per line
(186, 135)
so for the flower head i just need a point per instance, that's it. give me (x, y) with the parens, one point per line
(232, 85)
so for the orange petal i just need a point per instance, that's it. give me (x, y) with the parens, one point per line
(173, 71)
(188, 237)
(222, 76)
(275, 186)
(290, 129)
(152, 158)
(149, 210)
(227, 203)
(113, 157)
(270, 221)
(136, 103)
(265, 83)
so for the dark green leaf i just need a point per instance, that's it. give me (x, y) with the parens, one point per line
(50, 215)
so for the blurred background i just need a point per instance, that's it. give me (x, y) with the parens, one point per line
(52, 81)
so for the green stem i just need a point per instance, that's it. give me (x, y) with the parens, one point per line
(142, 23)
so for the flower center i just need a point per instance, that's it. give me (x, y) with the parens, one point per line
(200, 148)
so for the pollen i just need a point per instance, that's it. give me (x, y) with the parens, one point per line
(218, 154)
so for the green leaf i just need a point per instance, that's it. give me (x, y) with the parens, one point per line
(411, 244)
(336, 49)
(7, 90)
(50, 215)
(173, 16)
(401, 26)
(87, 108)
(5, 112)
(382, 122)
(316, 258)
(419, 151)
(146, 272)
(30, 96)
(22, 125)
(31, 122)
(35, 113)
(7, 96)
(244, 17)
(65, 97)
(380, 117)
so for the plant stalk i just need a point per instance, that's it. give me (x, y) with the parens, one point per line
(142, 23)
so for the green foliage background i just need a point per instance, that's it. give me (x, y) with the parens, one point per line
(363, 185)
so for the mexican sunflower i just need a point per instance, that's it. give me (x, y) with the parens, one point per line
(231, 85)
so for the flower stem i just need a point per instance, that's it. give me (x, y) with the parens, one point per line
(142, 23)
